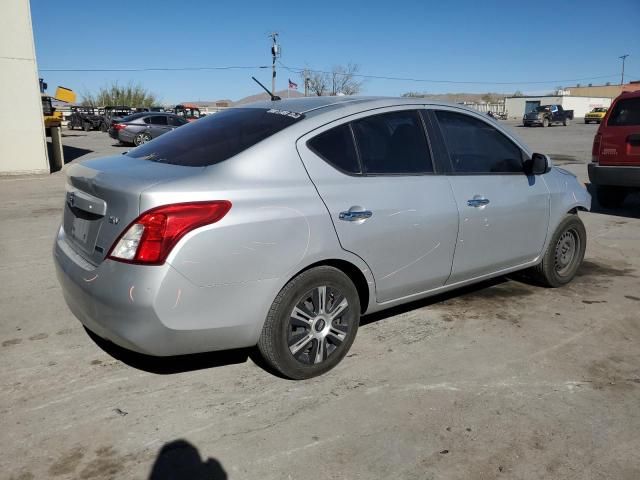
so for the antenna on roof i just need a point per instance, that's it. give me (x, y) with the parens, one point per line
(273, 97)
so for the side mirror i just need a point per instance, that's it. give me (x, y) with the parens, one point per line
(539, 164)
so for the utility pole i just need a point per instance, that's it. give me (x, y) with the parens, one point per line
(306, 84)
(275, 53)
(623, 57)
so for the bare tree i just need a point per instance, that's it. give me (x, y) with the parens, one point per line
(342, 80)
(316, 81)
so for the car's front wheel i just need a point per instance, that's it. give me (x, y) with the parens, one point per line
(312, 323)
(545, 122)
(564, 254)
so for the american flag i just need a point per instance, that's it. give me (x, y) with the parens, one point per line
(292, 85)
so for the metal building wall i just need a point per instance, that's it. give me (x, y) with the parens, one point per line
(23, 147)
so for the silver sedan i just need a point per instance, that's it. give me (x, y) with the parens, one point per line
(280, 223)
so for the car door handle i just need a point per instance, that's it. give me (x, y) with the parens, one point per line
(353, 216)
(477, 202)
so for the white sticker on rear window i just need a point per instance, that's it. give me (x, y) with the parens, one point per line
(286, 113)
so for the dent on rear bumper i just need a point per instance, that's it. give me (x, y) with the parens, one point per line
(154, 309)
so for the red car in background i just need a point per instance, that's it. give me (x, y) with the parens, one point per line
(188, 111)
(615, 164)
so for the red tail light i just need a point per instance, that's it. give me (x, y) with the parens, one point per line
(595, 150)
(149, 239)
(119, 126)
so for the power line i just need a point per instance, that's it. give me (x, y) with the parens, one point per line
(301, 70)
(425, 80)
(153, 69)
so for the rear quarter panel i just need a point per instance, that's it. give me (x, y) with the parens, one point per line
(277, 226)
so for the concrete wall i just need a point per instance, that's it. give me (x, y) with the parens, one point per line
(23, 147)
(580, 105)
(583, 105)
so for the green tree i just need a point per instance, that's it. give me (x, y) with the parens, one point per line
(132, 95)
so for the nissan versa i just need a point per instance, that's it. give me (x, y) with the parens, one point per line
(280, 223)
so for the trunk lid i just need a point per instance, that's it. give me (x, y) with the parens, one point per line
(103, 198)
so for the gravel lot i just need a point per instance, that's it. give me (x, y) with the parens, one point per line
(502, 380)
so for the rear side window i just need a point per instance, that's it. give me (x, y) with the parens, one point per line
(158, 120)
(337, 148)
(476, 147)
(217, 137)
(393, 143)
(625, 113)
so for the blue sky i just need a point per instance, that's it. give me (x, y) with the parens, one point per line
(457, 40)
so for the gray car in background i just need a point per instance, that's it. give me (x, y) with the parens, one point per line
(143, 127)
(280, 223)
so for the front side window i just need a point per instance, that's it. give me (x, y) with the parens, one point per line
(476, 147)
(393, 143)
(336, 147)
(216, 138)
(625, 113)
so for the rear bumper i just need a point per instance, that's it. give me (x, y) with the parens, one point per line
(154, 309)
(619, 176)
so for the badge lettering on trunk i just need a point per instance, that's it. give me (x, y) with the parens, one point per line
(113, 220)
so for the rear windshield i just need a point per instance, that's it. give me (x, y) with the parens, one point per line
(625, 113)
(217, 137)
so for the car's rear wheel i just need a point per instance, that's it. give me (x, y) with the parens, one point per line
(611, 197)
(312, 323)
(566, 122)
(141, 138)
(70, 125)
(563, 256)
(86, 127)
(545, 122)
(103, 127)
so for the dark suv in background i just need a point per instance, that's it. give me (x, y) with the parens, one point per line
(615, 162)
(143, 127)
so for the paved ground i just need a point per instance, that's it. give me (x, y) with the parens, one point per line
(499, 381)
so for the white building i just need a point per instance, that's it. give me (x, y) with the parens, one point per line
(23, 146)
(518, 106)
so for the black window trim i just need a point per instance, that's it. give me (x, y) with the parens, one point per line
(451, 171)
(418, 109)
(329, 162)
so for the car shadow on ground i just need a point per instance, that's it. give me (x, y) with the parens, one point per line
(629, 209)
(180, 459)
(426, 302)
(171, 365)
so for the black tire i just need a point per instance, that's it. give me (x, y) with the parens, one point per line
(556, 269)
(86, 126)
(611, 197)
(282, 333)
(586, 121)
(545, 122)
(141, 138)
(70, 125)
(566, 121)
(103, 127)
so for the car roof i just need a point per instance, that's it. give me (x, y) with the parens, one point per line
(311, 106)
